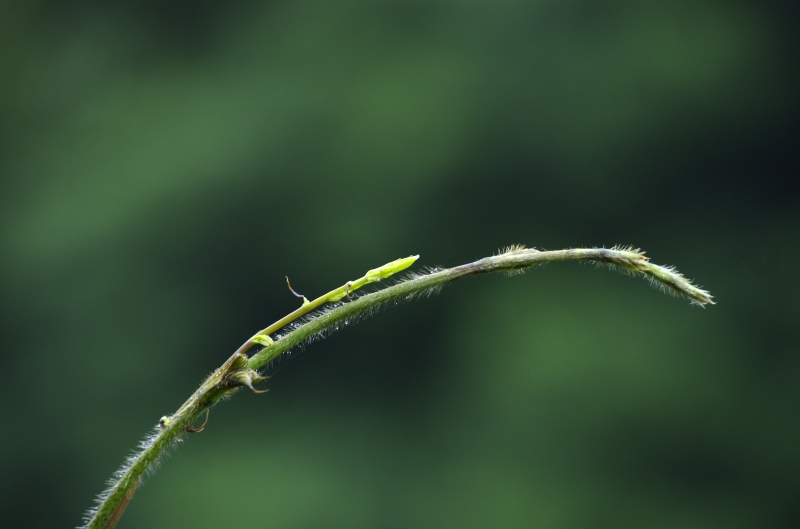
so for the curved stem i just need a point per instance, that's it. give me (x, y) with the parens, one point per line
(372, 276)
(239, 370)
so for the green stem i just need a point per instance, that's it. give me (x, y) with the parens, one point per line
(372, 276)
(239, 370)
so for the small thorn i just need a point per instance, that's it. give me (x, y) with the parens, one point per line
(257, 380)
(202, 426)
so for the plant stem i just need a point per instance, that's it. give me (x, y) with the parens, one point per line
(239, 370)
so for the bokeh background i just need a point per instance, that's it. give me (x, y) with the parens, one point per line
(165, 164)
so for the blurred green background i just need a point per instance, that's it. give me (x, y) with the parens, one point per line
(165, 164)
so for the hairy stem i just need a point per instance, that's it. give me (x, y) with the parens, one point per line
(240, 370)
